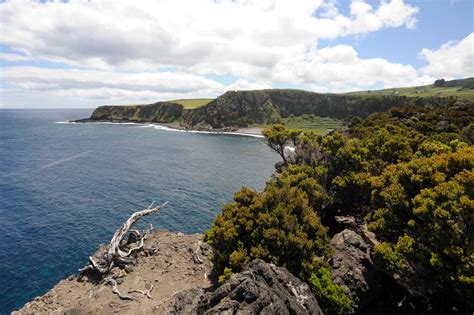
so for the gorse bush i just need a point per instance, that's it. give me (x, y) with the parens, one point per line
(280, 227)
(333, 297)
(407, 173)
(424, 216)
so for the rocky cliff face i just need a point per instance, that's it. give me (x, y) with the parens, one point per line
(163, 112)
(238, 109)
(241, 108)
(261, 288)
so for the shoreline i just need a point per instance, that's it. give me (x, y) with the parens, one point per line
(255, 132)
(166, 261)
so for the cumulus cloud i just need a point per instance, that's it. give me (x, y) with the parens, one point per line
(111, 34)
(451, 60)
(108, 84)
(165, 49)
(242, 84)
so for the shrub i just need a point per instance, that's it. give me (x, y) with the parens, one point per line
(333, 299)
(280, 227)
(424, 218)
(277, 226)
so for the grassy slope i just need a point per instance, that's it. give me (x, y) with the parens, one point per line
(321, 125)
(192, 102)
(424, 91)
(461, 89)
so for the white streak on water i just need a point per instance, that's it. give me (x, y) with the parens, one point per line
(26, 173)
(62, 161)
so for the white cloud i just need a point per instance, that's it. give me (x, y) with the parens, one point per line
(241, 84)
(451, 60)
(111, 34)
(49, 79)
(154, 50)
(13, 57)
(87, 84)
(105, 86)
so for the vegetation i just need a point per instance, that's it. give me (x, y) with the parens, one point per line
(158, 112)
(424, 217)
(278, 137)
(334, 296)
(406, 172)
(192, 103)
(307, 122)
(293, 108)
(459, 89)
(280, 227)
(264, 107)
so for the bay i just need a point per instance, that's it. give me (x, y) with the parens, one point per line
(65, 188)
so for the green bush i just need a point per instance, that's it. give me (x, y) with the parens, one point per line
(277, 226)
(332, 298)
(424, 217)
(407, 171)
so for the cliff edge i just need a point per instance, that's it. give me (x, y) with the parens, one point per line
(171, 276)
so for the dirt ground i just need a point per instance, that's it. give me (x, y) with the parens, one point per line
(167, 262)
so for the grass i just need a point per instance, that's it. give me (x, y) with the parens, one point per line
(320, 125)
(423, 91)
(193, 102)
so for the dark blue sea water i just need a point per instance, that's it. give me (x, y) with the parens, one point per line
(65, 188)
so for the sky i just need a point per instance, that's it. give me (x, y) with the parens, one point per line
(85, 53)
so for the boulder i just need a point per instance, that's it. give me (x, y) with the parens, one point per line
(262, 288)
(353, 268)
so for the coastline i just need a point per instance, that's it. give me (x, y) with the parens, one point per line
(165, 262)
(255, 132)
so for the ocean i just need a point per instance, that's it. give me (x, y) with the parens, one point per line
(65, 188)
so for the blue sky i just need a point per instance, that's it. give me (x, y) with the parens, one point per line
(438, 22)
(86, 53)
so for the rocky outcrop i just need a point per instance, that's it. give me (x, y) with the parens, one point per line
(175, 268)
(262, 288)
(353, 267)
(163, 112)
(241, 108)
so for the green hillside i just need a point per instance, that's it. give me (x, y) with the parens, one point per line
(192, 102)
(294, 108)
(461, 89)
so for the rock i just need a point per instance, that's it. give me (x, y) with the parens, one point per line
(261, 288)
(281, 167)
(346, 222)
(353, 268)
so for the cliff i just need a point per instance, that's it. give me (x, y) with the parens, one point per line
(166, 263)
(244, 108)
(163, 112)
(168, 279)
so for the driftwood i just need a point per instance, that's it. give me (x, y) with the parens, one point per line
(145, 292)
(197, 254)
(117, 256)
(115, 289)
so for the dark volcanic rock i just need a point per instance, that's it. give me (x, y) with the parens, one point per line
(353, 268)
(261, 288)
